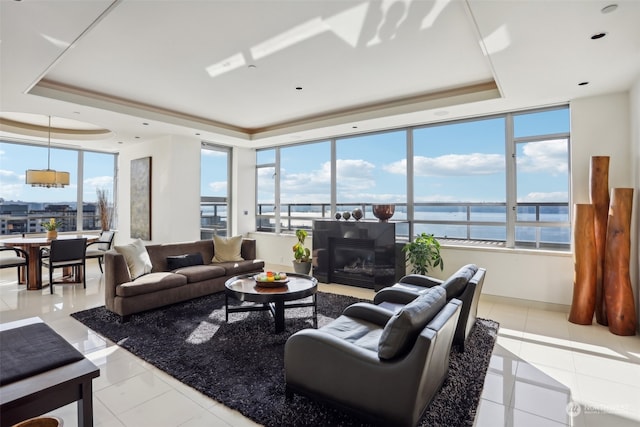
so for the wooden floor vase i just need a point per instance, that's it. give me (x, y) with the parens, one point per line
(621, 312)
(585, 259)
(599, 197)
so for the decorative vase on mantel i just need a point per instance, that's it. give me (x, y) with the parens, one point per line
(52, 234)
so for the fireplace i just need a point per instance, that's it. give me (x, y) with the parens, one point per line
(357, 253)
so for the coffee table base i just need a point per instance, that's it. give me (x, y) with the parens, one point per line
(276, 308)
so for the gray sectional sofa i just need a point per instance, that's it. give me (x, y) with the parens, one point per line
(163, 285)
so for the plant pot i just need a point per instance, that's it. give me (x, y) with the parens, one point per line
(302, 267)
(41, 422)
(52, 234)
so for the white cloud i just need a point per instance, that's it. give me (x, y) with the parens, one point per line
(213, 153)
(91, 184)
(452, 165)
(218, 186)
(537, 197)
(544, 157)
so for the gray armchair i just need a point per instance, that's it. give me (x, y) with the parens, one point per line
(465, 285)
(382, 366)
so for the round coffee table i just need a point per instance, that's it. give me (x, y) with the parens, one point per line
(272, 298)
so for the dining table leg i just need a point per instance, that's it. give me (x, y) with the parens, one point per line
(35, 271)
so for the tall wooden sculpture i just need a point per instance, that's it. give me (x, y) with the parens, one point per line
(621, 312)
(599, 195)
(585, 261)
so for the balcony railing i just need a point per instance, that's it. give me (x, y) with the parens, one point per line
(537, 225)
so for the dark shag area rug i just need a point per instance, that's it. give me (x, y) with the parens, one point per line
(241, 363)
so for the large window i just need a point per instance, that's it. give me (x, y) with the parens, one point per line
(371, 169)
(459, 180)
(214, 191)
(23, 208)
(500, 180)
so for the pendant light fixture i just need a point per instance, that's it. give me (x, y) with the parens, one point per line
(48, 177)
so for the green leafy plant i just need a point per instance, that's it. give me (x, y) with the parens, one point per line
(52, 225)
(300, 253)
(423, 254)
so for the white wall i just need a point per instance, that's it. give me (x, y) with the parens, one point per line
(608, 126)
(243, 199)
(175, 189)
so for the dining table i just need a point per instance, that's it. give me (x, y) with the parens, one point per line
(32, 246)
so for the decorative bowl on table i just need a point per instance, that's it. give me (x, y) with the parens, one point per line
(270, 279)
(383, 212)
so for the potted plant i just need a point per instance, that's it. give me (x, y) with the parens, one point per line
(423, 253)
(52, 228)
(301, 254)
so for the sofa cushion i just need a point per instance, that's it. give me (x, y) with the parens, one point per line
(403, 328)
(227, 249)
(457, 282)
(149, 283)
(240, 267)
(186, 260)
(137, 258)
(199, 273)
(356, 331)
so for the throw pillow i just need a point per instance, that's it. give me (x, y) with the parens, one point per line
(137, 258)
(403, 328)
(457, 282)
(186, 260)
(227, 249)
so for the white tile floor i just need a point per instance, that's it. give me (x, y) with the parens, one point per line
(544, 371)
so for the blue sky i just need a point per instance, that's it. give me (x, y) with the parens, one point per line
(460, 162)
(15, 159)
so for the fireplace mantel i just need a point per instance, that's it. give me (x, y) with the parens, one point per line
(358, 253)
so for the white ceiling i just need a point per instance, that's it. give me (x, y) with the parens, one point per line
(228, 70)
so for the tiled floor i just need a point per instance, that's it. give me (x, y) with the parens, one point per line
(544, 371)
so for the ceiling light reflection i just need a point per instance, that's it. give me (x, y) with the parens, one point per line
(226, 65)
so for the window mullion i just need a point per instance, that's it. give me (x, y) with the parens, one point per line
(511, 187)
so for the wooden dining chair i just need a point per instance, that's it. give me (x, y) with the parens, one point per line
(19, 259)
(65, 253)
(98, 248)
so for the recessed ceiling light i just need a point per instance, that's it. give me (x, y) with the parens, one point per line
(145, 124)
(251, 67)
(120, 142)
(354, 127)
(598, 36)
(583, 83)
(197, 134)
(137, 137)
(609, 8)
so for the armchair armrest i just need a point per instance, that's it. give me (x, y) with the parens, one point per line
(420, 280)
(369, 312)
(394, 295)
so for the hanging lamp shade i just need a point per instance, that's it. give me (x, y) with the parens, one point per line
(48, 178)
